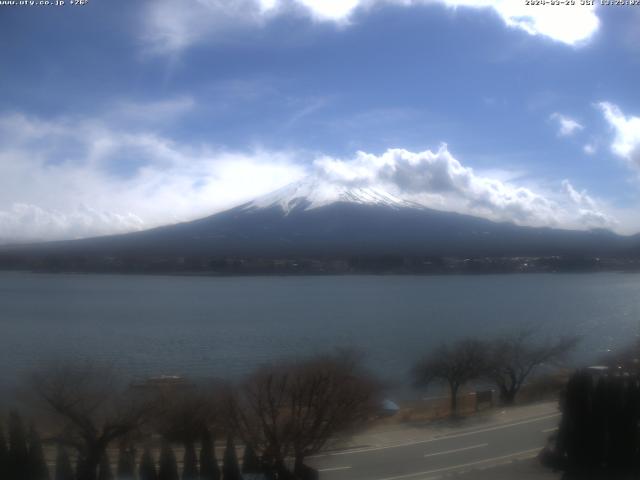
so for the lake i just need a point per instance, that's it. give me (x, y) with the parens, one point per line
(212, 326)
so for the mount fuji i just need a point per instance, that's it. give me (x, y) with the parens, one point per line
(314, 218)
(311, 193)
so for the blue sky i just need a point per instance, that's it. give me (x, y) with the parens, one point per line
(117, 115)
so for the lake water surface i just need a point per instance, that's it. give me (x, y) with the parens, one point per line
(208, 326)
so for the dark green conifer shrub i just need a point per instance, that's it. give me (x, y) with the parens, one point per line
(250, 460)
(36, 465)
(209, 469)
(126, 463)
(17, 461)
(147, 470)
(230, 467)
(190, 462)
(64, 471)
(168, 464)
(104, 469)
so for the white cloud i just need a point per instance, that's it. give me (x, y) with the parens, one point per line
(579, 198)
(572, 24)
(70, 177)
(590, 149)
(152, 112)
(567, 125)
(626, 143)
(21, 221)
(439, 180)
(589, 211)
(75, 177)
(334, 10)
(170, 27)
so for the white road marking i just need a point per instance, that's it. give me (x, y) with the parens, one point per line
(333, 469)
(463, 465)
(548, 430)
(457, 450)
(436, 439)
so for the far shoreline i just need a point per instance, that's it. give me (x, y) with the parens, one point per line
(199, 274)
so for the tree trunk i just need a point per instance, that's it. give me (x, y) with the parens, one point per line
(299, 464)
(302, 471)
(507, 396)
(454, 399)
(89, 466)
(282, 471)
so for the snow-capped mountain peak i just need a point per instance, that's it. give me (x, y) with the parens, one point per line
(310, 193)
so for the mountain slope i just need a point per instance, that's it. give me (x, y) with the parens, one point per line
(315, 219)
(343, 228)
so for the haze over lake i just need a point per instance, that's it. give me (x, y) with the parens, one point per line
(225, 326)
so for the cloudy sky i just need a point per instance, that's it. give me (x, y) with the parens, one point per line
(120, 115)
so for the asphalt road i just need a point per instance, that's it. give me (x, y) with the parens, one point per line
(434, 457)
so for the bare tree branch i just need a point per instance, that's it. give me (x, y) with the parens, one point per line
(511, 359)
(296, 409)
(89, 409)
(455, 365)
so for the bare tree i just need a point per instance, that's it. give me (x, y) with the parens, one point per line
(89, 410)
(454, 365)
(184, 413)
(296, 409)
(511, 359)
